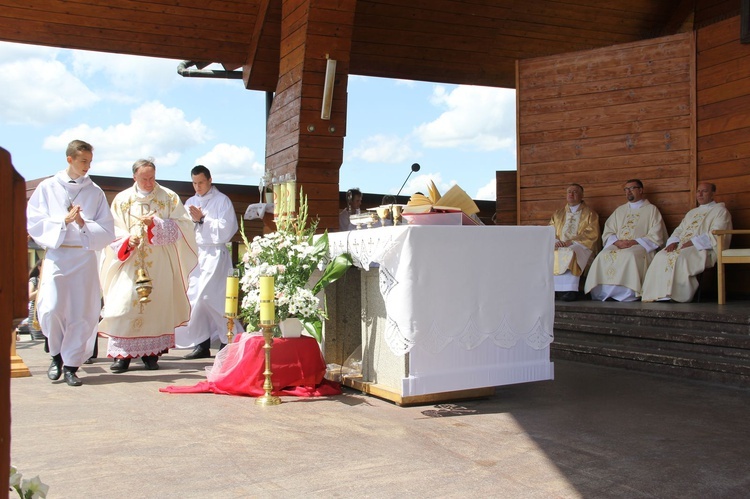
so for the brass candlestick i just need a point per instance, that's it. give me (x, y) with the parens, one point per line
(268, 399)
(230, 327)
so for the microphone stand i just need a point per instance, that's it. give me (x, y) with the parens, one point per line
(414, 168)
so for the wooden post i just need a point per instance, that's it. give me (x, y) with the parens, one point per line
(299, 140)
(13, 288)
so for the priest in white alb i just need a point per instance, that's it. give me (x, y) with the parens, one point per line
(69, 217)
(690, 250)
(215, 223)
(155, 250)
(631, 236)
(576, 241)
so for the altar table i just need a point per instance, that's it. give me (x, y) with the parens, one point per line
(297, 365)
(446, 309)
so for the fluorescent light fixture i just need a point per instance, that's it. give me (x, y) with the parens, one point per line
(325, 110)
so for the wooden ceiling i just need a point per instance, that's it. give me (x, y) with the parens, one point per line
(451, 41)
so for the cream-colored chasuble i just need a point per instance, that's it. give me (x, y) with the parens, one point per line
(671, 274)
(627, 267)
(168, 260)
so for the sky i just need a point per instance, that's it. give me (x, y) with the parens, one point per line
(132, 107)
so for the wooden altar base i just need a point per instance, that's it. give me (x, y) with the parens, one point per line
(386, 393)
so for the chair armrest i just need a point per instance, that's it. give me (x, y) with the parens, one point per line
(728, 231)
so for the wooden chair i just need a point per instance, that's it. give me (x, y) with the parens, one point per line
(725, 256)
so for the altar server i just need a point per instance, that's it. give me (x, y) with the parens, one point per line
(353, 203)
(576, 241)
(215, 223)
(690, 250)
(154, 250)
(631, 236)
(68, 215)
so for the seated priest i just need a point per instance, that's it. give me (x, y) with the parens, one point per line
(631, 236)
(690, 250)
(576, 242)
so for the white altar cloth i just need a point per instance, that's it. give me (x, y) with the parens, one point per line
(471, 306)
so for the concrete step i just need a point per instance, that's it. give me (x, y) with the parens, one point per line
(716, 361)
(661, 337)
(707, 343)
(703, 321)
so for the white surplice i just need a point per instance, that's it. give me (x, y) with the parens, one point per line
(671, 274)
(618, 273)
(207, 286)
(69, 298)
(168, 254)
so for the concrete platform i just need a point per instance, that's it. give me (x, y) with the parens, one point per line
(593, 432)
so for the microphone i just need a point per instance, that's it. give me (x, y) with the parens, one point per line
(414, 168)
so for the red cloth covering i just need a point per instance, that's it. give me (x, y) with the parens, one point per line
(296, 363)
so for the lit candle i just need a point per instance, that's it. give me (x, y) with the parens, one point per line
(276, 193)
(267, 309)
(284, 194)
(292, 188)
(233, 288)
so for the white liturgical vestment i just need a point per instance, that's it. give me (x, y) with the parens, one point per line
(69, 298)
(207, 286)
(671, 274)
(167, 253)
(626, 268)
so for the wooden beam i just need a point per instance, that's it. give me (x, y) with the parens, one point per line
(299, 141)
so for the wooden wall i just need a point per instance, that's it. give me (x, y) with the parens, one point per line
(723, 115)
(723, 126)
(604, 116)
(505, 210)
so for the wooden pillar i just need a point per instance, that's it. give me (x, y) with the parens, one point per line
(13, 288)
(299, 141)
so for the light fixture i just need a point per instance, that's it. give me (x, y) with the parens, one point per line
(325, 110)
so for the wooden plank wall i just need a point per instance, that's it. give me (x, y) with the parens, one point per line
(506, 212)
(723, 125)
(604, 116)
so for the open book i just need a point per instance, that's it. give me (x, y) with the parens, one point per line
(455, 200)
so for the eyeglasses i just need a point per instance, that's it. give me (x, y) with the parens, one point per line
(630, 189)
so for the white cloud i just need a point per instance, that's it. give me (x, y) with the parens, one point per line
(14, 52)
(405, 83)
(53, 94)
(125, 76)
(383, 149)
(154, 131)
(480, 118)
(488, 191)
(231, 163)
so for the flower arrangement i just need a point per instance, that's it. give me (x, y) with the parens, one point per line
(27, 489)
(291, 255)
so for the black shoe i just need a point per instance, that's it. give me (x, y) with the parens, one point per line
(71, 378)
(55, 369)
(151, 362)
(569, 296)
(202, 351)
(120, 365)
(90, 360)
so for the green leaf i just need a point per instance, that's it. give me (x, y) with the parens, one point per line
(321, 244)
(333, 271)
(314, 328)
